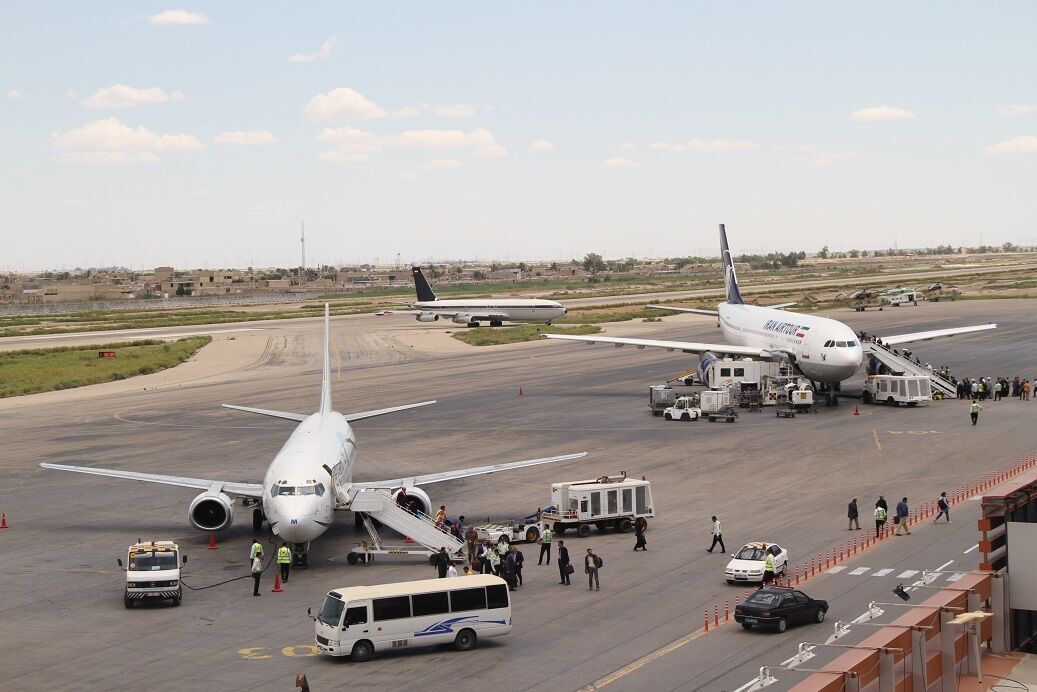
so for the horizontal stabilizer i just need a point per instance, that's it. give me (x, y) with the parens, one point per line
(934, 334)
(465, 473)
(232, 487)
(697, 311)
(350, 417)
(780, 306)
(298, 417)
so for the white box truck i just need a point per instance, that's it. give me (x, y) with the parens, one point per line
(609, 502)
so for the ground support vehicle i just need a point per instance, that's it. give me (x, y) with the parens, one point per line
(512, 532)
(609, 502)
(777, 607)
(785, 409)
(359, 621)
(153, 572)
(683, 409)
(894, 390)
(425, 537)
(660, 398)
(728, 414)
(747, 564)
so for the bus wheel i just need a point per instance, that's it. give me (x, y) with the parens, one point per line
(362, 651)
(465, 640)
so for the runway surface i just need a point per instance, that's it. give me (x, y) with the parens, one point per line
(772, 479)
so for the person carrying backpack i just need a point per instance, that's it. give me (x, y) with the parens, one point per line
(591, 564)
(944, 507)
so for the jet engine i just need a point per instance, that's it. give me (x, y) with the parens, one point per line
(427, 317)
(416, 500)
(211, 512)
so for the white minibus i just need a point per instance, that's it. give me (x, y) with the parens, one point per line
(357, 621)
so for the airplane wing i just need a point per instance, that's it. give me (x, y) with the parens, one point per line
(230, 487)
(934, 334)
(683, 346)
(696, 311)
(350, 417)
(465, 473)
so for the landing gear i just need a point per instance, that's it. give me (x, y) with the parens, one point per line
(300, 554)
(473, 324)
(496, 323)
(257, 519)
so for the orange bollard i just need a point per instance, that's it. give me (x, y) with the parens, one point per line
(3, 520)
(727, 613)
(705, 618)
(828, 559)
(277, 583)
(797, 576)
(520, 391)
(212, 541)
(716, 615)
(840, 551)
(855, 546)
(856, 412)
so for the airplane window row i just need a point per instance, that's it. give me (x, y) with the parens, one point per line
(317, 490)
(840, 344)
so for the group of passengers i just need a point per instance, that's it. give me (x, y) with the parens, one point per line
(985, 388)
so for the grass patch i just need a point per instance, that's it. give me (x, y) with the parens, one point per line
(30, 371)
(618, 313)
(494, 336)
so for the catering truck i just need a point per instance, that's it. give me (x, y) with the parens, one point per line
(609, 502)
(153, 572)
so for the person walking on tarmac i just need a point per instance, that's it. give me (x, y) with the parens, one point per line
(639, 530)
(284, 561)
(442, 562)
(718, 536)
(591, 564)
(257, 572)
(944, 507)
(563, 564)
(545, 545)
(768, 566)
(880, 519)
(974, 410)
(853, 515)
(256, 549)
(902, 516)
(471, 539)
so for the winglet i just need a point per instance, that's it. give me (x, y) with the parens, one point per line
(325, 387)
(730, 278)
(421, 287)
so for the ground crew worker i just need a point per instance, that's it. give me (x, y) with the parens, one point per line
(256, 550)
(975, 408)
(880, 520)
(545, 545)
(284, 561)
(718, 536)
(768, 566)
(257, 572)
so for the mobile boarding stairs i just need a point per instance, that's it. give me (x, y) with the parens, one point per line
(425, 538)
(901, 365)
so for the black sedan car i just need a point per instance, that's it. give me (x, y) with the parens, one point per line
(778, 607)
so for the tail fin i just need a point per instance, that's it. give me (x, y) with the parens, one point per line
(730, 278)
(421, 286)
(325, 386)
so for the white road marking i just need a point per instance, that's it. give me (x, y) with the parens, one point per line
(859, 571)
(882, 572)
(907, 574)
(971, 549)
(940, 568)
(837, 568)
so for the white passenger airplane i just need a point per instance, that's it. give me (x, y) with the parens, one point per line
(293, 497)
(496, 311)
(824, 350)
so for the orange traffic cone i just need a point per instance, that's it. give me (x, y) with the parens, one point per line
(277, 583)
(856, 411)
(520, 391)
(212, 541)
(3, 520)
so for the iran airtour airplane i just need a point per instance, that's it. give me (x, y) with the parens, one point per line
(301, 489)
(823, 349)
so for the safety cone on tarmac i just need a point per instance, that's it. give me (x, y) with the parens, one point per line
(3, 520)
(856, 411)
(277, 583)
(520, 391)
(212, 541)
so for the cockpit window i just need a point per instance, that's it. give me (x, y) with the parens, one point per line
(840, 344)
(319, 489)
(311, 489)
(851, 344)
(829, 344)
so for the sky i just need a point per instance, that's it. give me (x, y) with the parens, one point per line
(201, 135)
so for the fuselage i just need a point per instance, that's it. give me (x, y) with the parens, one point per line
(825, 350)
(518, 309)
(299, 498)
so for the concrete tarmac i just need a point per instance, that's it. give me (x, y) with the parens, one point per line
(786, 481)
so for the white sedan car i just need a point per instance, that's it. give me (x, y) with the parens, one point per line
(747, 564)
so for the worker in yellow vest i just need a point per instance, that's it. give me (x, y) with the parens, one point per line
(768, 567)
(284, 561)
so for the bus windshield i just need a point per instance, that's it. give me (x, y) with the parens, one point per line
(153, 561)
(331, 612)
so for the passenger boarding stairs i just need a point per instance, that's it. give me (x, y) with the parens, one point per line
(901, 365)
(379, 504)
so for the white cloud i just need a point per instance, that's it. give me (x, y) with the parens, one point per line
(406, 175)
(876, 114)
(699, 145)
(352, 144)
(456, 110)
(110, 141)
(177, 17)
(822, 159)
(1027, 144)
(340, 105)
(441, 165)
(1018, 109)
(405, 112)
(14, 94)
(541, 146)
(492, 151)
(246, 137)
(125, 96)
(620, 162)
(325, 51)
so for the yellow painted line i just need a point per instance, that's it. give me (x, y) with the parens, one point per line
(645, 660)
(875, 433)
